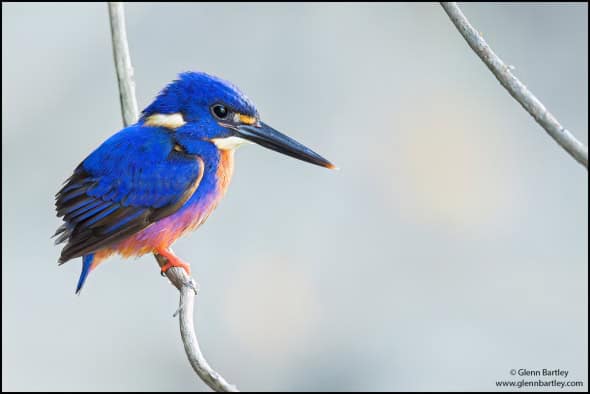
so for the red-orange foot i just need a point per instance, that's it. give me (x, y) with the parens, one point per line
(173, 261)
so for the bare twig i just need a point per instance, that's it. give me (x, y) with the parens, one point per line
(516, 88)
(184, 283)
(188, 288)
(123, 63)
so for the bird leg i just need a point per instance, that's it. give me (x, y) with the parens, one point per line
(172, 261)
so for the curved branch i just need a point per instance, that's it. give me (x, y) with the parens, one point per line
(188, 288)
(516, 88)
(123, 63)
(184, 283)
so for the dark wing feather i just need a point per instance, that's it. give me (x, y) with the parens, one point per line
(132, 180)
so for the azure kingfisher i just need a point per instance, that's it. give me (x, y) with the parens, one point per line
(152, 182)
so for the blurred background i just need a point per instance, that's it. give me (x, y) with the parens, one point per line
(450, 248)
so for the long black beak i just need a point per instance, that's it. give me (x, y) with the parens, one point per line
(263, 134)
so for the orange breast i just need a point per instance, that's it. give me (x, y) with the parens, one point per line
(225, 170)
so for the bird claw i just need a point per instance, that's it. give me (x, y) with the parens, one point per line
(167, 266)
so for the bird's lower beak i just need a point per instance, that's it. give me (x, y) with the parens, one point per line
(263, 134)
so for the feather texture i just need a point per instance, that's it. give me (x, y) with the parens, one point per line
(132, 180)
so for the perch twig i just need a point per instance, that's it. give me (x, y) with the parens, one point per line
(188, 288)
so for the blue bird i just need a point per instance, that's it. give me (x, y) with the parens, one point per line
(153, 181)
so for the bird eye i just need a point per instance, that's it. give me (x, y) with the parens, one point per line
(220, 111)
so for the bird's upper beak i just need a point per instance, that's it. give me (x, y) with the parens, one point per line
(263, 134)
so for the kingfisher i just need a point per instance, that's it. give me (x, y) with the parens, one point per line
(154, 181)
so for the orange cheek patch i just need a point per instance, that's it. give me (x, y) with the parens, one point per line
(245, 119)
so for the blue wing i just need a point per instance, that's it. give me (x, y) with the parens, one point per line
(135, 178)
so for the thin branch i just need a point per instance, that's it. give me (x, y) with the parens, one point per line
(184, 283)
(123, 63)
(188, 288)
(516, 88)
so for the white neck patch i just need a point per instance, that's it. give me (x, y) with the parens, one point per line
(229, 142)
(170, 121)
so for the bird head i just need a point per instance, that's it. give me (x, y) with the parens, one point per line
(214, 110)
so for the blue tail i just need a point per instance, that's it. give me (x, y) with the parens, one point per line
(86, 264)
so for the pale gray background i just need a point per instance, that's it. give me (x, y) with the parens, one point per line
(450, 248)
